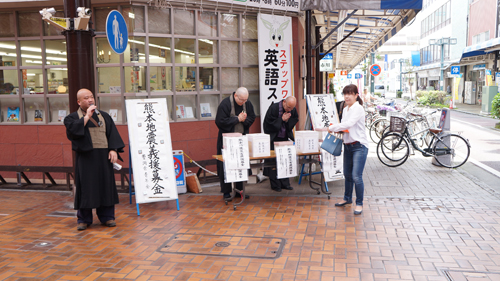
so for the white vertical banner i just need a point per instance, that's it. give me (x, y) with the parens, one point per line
(286, 161)
(275, 60)
(151, 150)
(322, 110)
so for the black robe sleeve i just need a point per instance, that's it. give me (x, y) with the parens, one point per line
(292, 121)
(272, 122)
(224, 122)
(115, 141)
(76, 133)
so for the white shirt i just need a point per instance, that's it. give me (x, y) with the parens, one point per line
(353, 119)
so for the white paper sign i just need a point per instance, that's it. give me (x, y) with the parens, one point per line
(332, 166)
(286, 161)
(275, 60)
(151, 150)
(230, 173)
(322, 110)
(237, 155)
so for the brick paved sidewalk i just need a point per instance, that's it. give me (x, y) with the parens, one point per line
(436, 225)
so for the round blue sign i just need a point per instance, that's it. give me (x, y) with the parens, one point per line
(117, 32)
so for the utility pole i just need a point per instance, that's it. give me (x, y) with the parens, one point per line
(372, 79)
(79, 54)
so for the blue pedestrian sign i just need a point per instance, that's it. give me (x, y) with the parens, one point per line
(358, 75)
(455, 70)
(349, 76)
(117, 32)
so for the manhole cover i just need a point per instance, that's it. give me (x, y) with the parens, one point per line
(386, 183)
(453, 275)
(224, 246)
(62, 214)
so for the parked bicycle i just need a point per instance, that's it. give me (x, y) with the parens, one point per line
(450, 150)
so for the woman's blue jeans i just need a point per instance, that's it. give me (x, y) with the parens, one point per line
(354, 164)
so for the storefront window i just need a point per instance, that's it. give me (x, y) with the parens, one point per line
(230, 78)
(135, 51)
(58, 109)
(9, 108)
(207, 24)
(160, 79)
(32, 81)
(99, 17)
(135, 79)
(134, 17)
(250, 53)
(207, 51)
(185, 107)
(159, 50)
(249, 27)
(8, 82)
(185, 78)
(34, 109)
(113, 106)
(184, 50)
(31, 53)
(55, 51)
(57, 80)
(183, 22)
(251, 78)
(50, 29)
(29, 24)
(229, 26)
(108, 79)
(208, 106)
(230, 52)
(209, 79)
(7, 25)
(104, 53)
(159, 20)
(254, 98)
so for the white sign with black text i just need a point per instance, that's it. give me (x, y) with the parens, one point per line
(286, 161)
(151, 150)
(322, 110)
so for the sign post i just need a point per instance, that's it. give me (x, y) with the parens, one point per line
(326, 63)
(116, 32)
(180, 175)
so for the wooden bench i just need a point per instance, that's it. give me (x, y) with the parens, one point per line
(46, 170)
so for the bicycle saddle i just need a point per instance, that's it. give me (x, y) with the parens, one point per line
(436, 130)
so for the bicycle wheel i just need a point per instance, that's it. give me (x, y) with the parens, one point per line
(377, 128)
(451, 151)
(393, 150)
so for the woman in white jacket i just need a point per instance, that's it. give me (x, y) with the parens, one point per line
(355, 146)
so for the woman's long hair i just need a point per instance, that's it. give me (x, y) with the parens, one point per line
(352, 89)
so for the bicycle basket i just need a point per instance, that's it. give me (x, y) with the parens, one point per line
(398, 124)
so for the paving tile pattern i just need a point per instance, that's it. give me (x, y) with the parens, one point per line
(437, 221)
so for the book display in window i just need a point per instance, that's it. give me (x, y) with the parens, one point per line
(38, 115)
(13, 114)
(205, 110)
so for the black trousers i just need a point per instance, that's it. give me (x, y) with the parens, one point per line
(272, 173)
(104, 213)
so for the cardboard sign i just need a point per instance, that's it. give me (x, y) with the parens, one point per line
(286, 161)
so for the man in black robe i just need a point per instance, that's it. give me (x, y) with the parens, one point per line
(234, 114)
(96, 143)
(280, 119)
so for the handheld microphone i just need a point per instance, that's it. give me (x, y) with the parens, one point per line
(95, 110)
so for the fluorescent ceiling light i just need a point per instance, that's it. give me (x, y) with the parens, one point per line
(161, 47)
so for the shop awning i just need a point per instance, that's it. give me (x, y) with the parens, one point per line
(332, 5)
(482, 48)
(446, 64)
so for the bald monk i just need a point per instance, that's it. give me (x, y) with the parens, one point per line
(234, 114)
(280, 119)
(96, 143)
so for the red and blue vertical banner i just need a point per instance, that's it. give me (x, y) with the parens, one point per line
(275, 60)
(180, 176)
